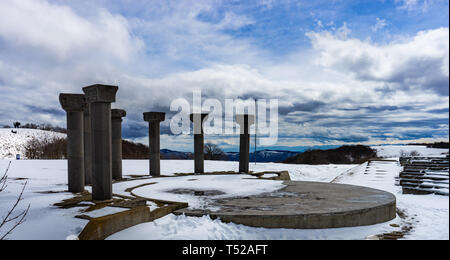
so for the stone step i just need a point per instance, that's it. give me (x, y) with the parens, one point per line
(424, 178)
(423, 185)
(427, 169)
(424, 173)
(445, 182)
(420, 191)
(433, 167)
(421, 176)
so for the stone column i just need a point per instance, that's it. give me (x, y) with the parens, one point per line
(116, 135)
(199, 152)
(74, 104)
(154, 119)
(87, 146)
(100, 97)
(244, 121)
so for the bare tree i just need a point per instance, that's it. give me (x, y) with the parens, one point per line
(414, 153)
(12, 218)
(213, 152)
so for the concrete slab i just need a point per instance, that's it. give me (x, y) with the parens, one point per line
(306, 205)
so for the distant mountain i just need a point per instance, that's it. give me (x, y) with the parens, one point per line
(261, 156)
(175, 155)
(264, 155)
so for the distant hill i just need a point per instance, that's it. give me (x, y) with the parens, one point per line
(264, 155)
(434, 145)
(13, 141)
(131, 150)
(139, 151)
(348, 154)
(175, 155)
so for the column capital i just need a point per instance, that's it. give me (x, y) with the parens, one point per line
(100, 93)
(245, 121)
(154, 116)
(241, 119)
(118, 113)
(198, 126)
(72, 102)
(193, 116)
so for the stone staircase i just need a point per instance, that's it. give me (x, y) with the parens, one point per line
(424, 175)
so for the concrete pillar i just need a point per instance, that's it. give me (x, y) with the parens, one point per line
(244, 121)
(154, 119)
(199, 152)
(87, 146)
(74, 104)
(100, 97)
(116, 139)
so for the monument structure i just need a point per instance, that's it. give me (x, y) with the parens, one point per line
(74, 105)
(199, 153)
(116, 141)
(87, 146)
(100, 97)
(244, 121)
(154, 119)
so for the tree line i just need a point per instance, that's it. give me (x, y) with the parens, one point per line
(46, 127)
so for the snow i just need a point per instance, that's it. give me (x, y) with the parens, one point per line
(12, 144)
(173, 227)
(395, 151)
(104, 211)
(226, 186)
(43, 221)
(428, 214)
(323, 173)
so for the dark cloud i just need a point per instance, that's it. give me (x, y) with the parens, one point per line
(42, 110)
(133, 131)
(438, 111)
(310, 106)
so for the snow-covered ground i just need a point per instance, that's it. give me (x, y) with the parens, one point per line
(428, 214)
(395, 151)
(323, 173)
(12, 144)
(44, 221)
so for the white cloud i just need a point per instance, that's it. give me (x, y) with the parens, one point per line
(61, 33)
(233, 21)
(175, 33)
(267, 3)
(414, 5)
(419, 62)
(183, 53)
(381, 23)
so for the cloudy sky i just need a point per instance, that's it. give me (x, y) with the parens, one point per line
(368, 71)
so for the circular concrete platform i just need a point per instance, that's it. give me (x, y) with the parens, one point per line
(306, 205)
